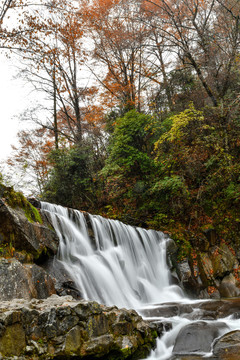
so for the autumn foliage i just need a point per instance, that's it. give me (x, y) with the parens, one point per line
(141, 120)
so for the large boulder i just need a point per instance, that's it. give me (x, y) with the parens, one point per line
(228, 287)
(223, 260)
(198, 337)
(63, 328)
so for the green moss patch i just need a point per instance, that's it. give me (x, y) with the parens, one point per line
(18, 200)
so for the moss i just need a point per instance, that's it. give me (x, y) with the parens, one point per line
(13, 341)
(17, 200)
(32, 214)
(126, 352)
(154, 334)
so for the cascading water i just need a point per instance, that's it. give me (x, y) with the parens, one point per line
(123, 266)
(119, 265)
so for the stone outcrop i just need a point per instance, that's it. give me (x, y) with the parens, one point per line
(22, 228)
(27, 281)
(211, 269)
(63, 328)
(28, 244)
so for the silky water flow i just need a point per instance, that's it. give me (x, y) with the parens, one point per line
(120, 265)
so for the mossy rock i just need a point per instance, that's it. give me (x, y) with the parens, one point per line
(12, 342)
(17, 200)
(22, 227)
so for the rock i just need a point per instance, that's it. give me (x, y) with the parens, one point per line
(188, 357)
(223, 260)
(168, 310)
(200, 310)
(25, 281)
(205, 269)
(228, 287)
(62, 280)
(35, 202)
(22, 228)
(63, 328)
(197, 337)
(228, 346)
(187, 280)
(172, 251)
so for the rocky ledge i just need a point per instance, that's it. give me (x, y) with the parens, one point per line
(64, 328)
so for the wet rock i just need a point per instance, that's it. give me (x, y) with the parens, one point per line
(188, 357)
(165, 311)
(62, 280)
(197, 337)
(63, 328)
(228, 346)
(218, 309)
(172, 251)
(187, 280)
(35, 202)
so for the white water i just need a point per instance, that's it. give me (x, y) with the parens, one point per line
(120, 265)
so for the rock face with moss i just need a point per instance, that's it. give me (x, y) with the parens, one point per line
(209, 269)
(22, 227)
(26, 242)
(63, 328)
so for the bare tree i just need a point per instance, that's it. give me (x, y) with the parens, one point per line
(205, 37)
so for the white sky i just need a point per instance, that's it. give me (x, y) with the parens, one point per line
(14, 99)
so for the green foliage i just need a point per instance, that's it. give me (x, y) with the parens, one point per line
(72, 181)
(131, 143)
(130, 164)
(180, 123)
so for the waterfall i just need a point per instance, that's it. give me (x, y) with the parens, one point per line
(119, 265)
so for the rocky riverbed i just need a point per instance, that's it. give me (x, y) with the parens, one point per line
(204, 327)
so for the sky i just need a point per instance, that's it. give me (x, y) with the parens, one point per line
(15, 97)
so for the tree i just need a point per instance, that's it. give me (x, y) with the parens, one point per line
(73, 178)
(205, 37)
(28, 161)
(197, 173)
(118, 38)
(54, 68)
(130, 167)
